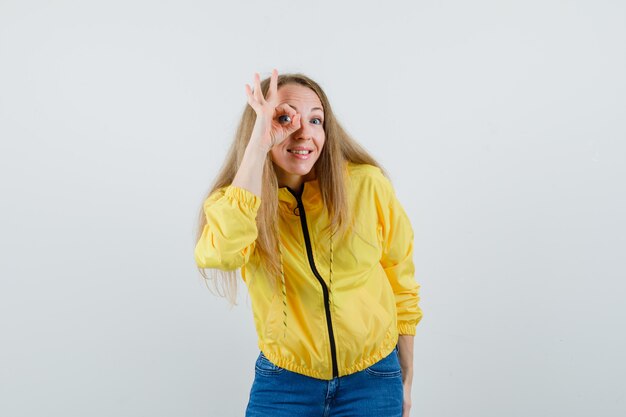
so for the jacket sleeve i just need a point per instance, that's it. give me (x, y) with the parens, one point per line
(397, 258)
(230, 232)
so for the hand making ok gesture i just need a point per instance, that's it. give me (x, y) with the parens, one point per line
(274, 122)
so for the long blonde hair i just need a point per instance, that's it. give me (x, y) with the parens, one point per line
(338, 148)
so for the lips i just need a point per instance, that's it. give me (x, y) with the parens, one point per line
(300, 153)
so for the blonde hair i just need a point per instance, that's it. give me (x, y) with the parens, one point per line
(338, 148)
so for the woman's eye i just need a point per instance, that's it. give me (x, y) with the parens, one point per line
(319, 121)
(284, 118)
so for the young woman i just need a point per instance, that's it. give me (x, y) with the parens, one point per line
(325, 249)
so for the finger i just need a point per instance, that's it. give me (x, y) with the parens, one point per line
(258, 94)
(251, 100)
(295, 123)
(255, 88)
(285, 109)
(273, 84)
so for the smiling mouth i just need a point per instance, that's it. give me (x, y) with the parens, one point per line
(299, 152)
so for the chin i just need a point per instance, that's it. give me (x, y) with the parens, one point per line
(295, 167)
(299, 171)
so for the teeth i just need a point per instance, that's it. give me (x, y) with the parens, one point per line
(300, 152)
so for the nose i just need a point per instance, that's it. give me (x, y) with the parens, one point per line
(304, 132)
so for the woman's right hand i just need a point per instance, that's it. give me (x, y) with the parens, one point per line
(273, 123)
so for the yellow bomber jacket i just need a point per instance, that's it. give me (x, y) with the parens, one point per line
(343, 302)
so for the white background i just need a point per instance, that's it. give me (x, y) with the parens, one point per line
(500, 123)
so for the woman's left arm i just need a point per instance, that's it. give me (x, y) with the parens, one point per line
(397, 261)
(405, 353)
(397, 258)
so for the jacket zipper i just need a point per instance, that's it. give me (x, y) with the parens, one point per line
(309, 251)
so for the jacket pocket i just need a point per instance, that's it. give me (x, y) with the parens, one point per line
(273, 322)
(264, 367)
(388, 367)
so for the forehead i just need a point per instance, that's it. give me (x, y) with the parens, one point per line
(299, 96)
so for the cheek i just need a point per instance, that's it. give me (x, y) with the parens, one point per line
(321, 142)
(320, 139)
(274, 153)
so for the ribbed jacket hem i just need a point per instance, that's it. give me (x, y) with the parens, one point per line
(387, 346)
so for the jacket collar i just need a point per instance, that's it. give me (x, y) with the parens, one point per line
(311, 197)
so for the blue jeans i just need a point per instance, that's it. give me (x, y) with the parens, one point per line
(374, 391)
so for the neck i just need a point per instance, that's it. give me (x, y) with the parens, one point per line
(295, 182)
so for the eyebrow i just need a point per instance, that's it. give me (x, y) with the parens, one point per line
(314, 108)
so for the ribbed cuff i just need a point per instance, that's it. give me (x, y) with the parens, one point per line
(245, 197)
(406, 329)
